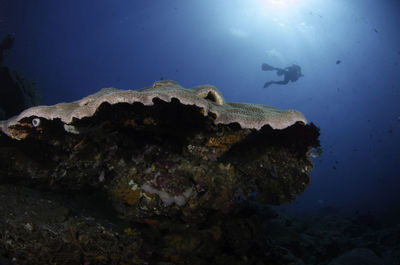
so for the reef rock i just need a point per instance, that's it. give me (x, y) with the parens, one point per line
(161, 151)
(358, 256)
(17, 93)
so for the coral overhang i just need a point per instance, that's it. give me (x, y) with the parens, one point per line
(162, 150)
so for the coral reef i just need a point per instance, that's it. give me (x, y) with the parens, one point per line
(248, 116)
(65, 228)
(179, 160)
(161, 157)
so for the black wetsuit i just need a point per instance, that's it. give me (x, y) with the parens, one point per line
(291, 73)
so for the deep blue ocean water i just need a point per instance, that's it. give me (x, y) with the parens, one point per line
(74, 48)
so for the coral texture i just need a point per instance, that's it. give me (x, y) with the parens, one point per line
(207, 97)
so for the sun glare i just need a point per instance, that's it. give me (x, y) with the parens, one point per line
(281, 5)
(278, 3)
(285, 8)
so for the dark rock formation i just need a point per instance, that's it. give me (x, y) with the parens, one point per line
(68, 227)
(164, 158)
(183, 161)
(16, 92)
(358, 256)
(5, 46)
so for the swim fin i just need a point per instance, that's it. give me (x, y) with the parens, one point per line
(267, 84)
(267, 67)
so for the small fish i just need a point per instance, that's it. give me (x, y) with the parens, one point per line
(376, 30)
(338, 61)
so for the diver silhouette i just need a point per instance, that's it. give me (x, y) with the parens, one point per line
(291, 73)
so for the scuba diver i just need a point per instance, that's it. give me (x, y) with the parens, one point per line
(291, 73)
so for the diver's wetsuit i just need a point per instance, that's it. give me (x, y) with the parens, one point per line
(291, 73)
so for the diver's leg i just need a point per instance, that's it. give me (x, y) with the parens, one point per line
(267, 84)
(284, 82)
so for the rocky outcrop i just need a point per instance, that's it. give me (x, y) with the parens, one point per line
(182, 161)
(17, 93)
(358, 256)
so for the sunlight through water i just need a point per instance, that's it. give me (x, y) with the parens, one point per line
(279, 7)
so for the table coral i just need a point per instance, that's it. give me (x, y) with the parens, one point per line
(161, 151)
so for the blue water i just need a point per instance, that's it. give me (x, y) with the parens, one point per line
(74, 48)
